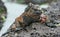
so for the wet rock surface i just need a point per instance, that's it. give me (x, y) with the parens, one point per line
(3, 13)
(36, 30)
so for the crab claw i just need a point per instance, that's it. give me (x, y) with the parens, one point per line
(43, 18)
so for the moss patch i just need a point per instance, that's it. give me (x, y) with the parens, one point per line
(20, 1)
(1, 10)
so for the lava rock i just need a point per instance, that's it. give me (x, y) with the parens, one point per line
(37, 1)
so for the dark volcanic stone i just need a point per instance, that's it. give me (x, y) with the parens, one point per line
(42, 31)
(37, 1)
(1, 3)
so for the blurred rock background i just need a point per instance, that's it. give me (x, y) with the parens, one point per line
(3, 13)
(33, 1)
